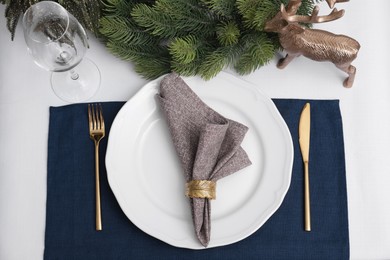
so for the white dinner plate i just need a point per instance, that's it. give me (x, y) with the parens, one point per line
(145, 174)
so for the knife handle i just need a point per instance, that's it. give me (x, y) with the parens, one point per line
(307, 198)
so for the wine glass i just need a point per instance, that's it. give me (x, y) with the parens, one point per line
(57, 43)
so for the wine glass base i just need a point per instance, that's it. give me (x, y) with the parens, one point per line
(78, 84)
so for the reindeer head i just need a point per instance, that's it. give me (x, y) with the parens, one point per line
(287, 15)
(277, 23)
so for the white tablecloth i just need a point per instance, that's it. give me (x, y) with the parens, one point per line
(25, 96)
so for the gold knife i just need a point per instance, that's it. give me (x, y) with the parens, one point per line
(304, 143)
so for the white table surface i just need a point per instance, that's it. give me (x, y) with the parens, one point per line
(25, 96)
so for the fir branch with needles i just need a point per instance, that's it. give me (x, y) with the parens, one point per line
(193, 37)
(86, 12)
(172, 18)
(184, 50)
(228, 33)
(224, 8)
(258, 51)
(255, 13)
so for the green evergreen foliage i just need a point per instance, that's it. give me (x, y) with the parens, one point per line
(258, 51)
(224, 8)
(184, 50)
(217, 60)
(192, 37)
(228, 33)
(13, 11)
(129, 41)
(255, 13)
(171, 18)
(87, 12)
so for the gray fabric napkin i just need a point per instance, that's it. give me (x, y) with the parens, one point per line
(207, 143)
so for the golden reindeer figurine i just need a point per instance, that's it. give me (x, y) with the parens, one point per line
(315, 44)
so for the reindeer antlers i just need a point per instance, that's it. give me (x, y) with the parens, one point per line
(314, 18)
(331, 3)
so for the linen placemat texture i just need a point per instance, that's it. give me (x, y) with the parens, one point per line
(70, 217)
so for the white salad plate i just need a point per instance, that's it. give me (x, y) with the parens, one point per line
(145, 174)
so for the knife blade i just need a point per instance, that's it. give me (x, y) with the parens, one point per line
(304, 143)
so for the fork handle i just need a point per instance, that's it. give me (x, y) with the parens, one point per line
(307, 198)
(97, 189)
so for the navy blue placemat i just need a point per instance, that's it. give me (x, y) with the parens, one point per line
(70, 217)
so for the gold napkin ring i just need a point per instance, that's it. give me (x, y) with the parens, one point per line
(201, 189)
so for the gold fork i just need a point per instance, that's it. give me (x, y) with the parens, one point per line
(96, 132)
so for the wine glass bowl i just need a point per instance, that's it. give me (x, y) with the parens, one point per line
(57, 42)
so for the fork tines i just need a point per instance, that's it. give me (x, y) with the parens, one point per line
(95, 117)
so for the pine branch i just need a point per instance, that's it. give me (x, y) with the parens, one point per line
(224, 8)
(87, 12)
(174, 18)
(258, 50)
(198, 48)
(255, 13)
(159, 24)
(123, 30)
(150, 61)
(152, 68)
(128, 41)
(217, 60)
(183, 50)
(121, 8)
(188, 69)
(135, 52)
(13, 11)
(228, 33)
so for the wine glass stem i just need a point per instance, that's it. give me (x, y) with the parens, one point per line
(74, 75)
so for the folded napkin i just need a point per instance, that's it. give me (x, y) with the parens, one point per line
(70, 216)
(207, 144)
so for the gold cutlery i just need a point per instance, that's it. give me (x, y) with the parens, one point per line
(96, 132)
(304, 143)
